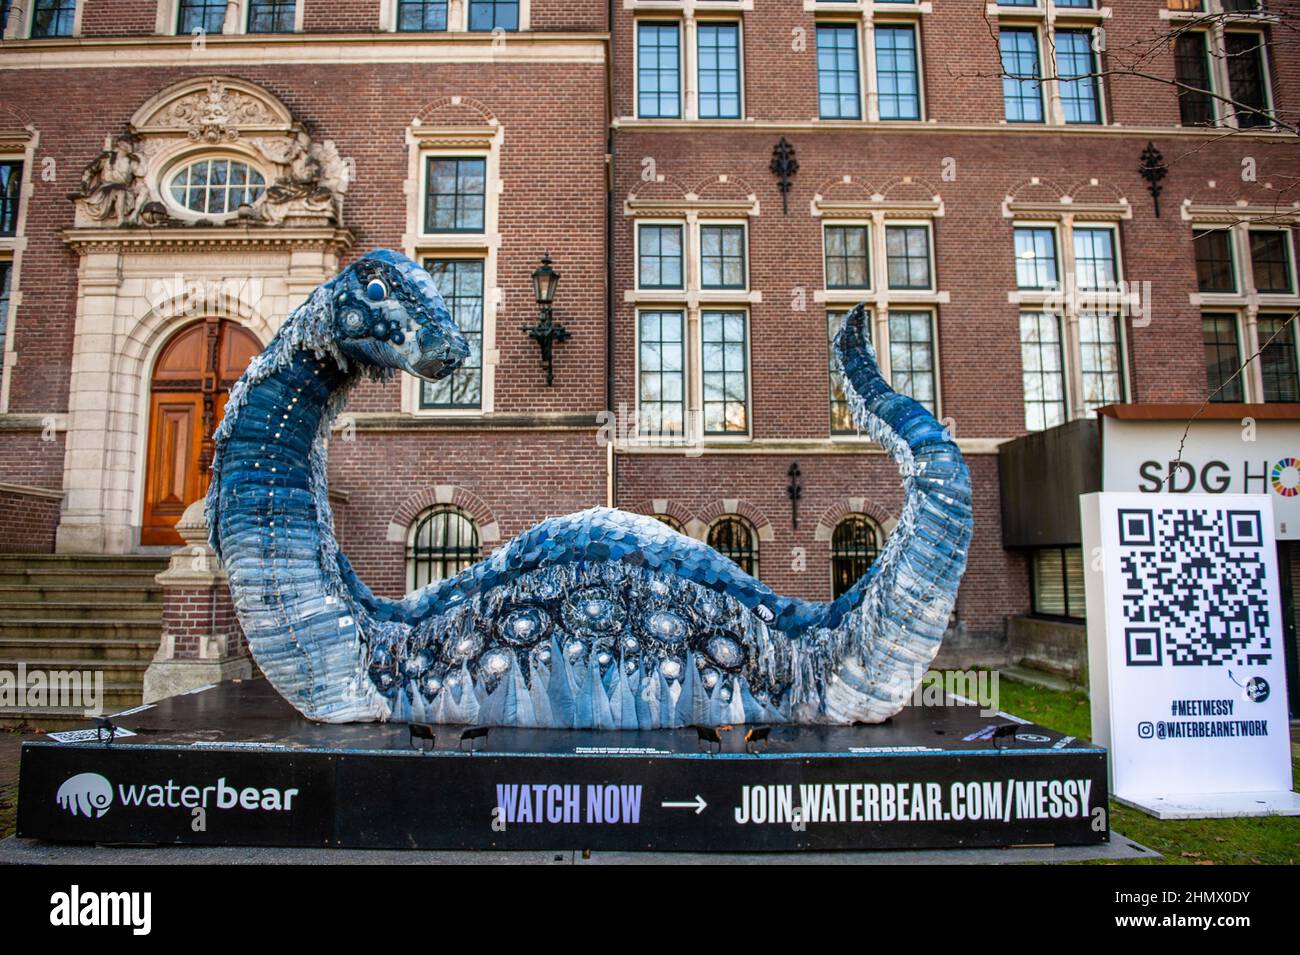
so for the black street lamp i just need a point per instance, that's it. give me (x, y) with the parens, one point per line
(547, 331)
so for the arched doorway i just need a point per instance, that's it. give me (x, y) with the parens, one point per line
(187, 398)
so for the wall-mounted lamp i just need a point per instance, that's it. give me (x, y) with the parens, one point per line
(547, 331)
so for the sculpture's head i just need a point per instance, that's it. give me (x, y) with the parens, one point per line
(388, 313)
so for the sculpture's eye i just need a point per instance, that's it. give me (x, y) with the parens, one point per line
(376, 290)
(354, 323)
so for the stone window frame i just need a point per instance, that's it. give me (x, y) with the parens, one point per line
(15, 147)
(457, 18)
(168, 19)
(1246, 302)
(483, 141)
(20, 27)
(866, 15)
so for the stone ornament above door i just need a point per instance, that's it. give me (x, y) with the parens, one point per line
(272, 172)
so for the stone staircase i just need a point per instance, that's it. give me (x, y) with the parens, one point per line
(79, 613)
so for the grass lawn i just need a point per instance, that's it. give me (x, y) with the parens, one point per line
(1273, 840)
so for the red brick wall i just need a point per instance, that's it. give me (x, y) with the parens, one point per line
(27, 523)
(190, 615)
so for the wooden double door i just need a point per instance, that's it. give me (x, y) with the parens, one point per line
(187, 398)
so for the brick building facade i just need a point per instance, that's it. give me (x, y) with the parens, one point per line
(638, 142)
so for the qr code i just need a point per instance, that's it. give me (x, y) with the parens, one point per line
(1195, 592)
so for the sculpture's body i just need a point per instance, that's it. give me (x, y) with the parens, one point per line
(601, 619)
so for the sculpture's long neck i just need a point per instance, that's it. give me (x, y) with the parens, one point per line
(889, 625)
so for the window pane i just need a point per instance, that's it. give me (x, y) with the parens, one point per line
(658, 71)
(725, 372)
(1035, 258)
(216, 187)
(722, 256)
(489, 15)
(6, 278)
(1022, 93)
(421, 15)
(1048, 569)
(51, 18)
(841, 417)
(1192, 74)
(837, 72)
(660, 263)
(270, 16)
(907, 256)
(11, 186)
(1246, 78)
(207, 16)
(1094, 259)
(443, 543)
(1214, 267)
(662, 370)
(719, 70)
(911, 356)
(456, 195)
(734, 539)
(1043, 370)
(847, 257)
(855, 544)
(1222, 357)
(1075, 602)
(1270, 260)
(1100, 360)
(460, 282)
(897, 73)
(1077, 67)
(1278, 358)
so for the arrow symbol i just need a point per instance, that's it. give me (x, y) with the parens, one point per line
(698, 804)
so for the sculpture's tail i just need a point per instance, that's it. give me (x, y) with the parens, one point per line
(888, 626)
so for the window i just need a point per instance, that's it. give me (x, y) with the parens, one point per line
(659, 256)
(207, 16)
(1017, 3)
(216, 187)
(854, 548)
(271, 16)
(1036, 257)
(1095, 265)
(5, 6)
(1100, 360)
(661, 363)
(1270, 261)
(443, 542)
(6, 278)
(907, 256)
(1043, 370)
(1192, 75)
(1187, 6)
(1075, 4)
(725, 372)
(11, 186)
(658, 71)
(838, 89)
(841, 415)
(734, 539)
(1222, 357)
(722, 256)
(911, 356)
(1022, 91)
(460, 282)
(848, 263)
(51, 18)
(1214, 265)
(421, 15)
(1056, 579)
(719, 70)
(671, 521)
(1278, 358)
(489, 15)
(1247, 78)
(1076, 68)
(456, 194)
(897, 72)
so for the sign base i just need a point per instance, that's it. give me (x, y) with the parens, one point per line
(1214, 805)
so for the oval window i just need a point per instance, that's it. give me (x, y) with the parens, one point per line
(216, 187)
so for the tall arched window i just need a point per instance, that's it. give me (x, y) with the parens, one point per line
(734, 538)
(671, 521)
(442, 543)
(855, 543)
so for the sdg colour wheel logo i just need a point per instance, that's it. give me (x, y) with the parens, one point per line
(1286, 477)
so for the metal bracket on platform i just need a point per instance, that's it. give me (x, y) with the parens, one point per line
(710, 735)
(473, 733)
(756, 735)
(422, 737)
(1002, 732)
(104, 725)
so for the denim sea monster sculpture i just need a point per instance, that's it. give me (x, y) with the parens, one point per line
(600, 620)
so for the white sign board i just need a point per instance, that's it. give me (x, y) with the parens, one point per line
(1218, 457)
(1185, 652)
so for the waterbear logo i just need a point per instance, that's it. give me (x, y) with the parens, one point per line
(86, 794)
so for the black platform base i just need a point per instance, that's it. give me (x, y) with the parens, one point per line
(235, 765)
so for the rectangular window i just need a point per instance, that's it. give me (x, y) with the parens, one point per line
(1076, 67)
(1095, 263)
(1247, 78)
(722, 256)
(1192, 74)
(416, 16)
(911, 356)
(488, 15)
(208, 16)
(11, 188)
(838, 89)
(719, 70)
(1075, 4)
(1270, 261)
(1214, 265)
(271, 16)
(1043, 370)
(898, 74)
(848, 262)
(1022, 89)
(51, 18)
(455, 194)
(1017, 3)
(725, 372)
(1036, 257)
(841, 417)
(5, 6)
(658, 71)
(6, 276)
(1278, 358)
(1222, 357)
(661, 356)
(1056, 578)
(907, 256)
(460, 282)
(1100, 360)
(659, 251)
(1186, 6)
